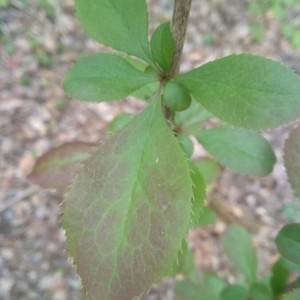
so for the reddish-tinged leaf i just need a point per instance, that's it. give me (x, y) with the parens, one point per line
(56, 168)
(129, 208)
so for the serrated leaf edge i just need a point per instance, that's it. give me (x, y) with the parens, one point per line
(238, 126)
(94, 149)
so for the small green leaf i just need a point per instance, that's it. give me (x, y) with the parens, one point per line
(290, 265)
(122, 25)
(104, 77)
(176, 96)
(214, 283)
(186, 144)
(185, 263)
(288, 242)
(135, 62)
(238, 246)
(294, 295)
(119, 122)
(198, 195)
(259, 291)
(56, 168)
(246, 91)
(209, 168)
(234, 291)
(207, 217)
(239, 149)
(129, 209)
(192, 118)
(163, 45)
(206, 287)
(280, 275)
(147, 91)
(292, 159)
(187, 290)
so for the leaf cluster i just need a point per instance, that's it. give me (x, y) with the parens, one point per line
(136, 195)
(241, 252)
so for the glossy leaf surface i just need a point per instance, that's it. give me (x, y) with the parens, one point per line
(238, 246)
(246, 91)
(239, 149)
(129, 209)
(122, 25)
(56, 168)
(288, 242)
(292, 159)
(104, 77)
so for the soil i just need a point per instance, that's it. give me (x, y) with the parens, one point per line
(40, 40)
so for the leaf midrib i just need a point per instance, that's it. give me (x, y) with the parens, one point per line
(131, 203)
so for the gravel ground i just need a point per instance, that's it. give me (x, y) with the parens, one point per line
(38, 44)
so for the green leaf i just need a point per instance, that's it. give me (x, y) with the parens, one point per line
(56, 168)
(290, 265)
(122, 25)
(207, 217)
(119, 122)
(191, 118)
(292, 159)
(187, 290)
(209, 168)
(185, 263)
(280, 275)
(129, 209)
(259, 291)
(288, 242)
(198, 195)
(186, 144)
(176, 96)
(135, 62)
(208, 286)
(147, 91)
(104, 77)
(246, 91)
(214, 283)
(239, 149)
(163, 45)
(234, 291)
(294, 295)
(238, 246)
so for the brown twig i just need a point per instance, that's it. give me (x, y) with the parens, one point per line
(181, 13)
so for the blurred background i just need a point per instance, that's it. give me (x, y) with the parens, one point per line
(39, 41)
